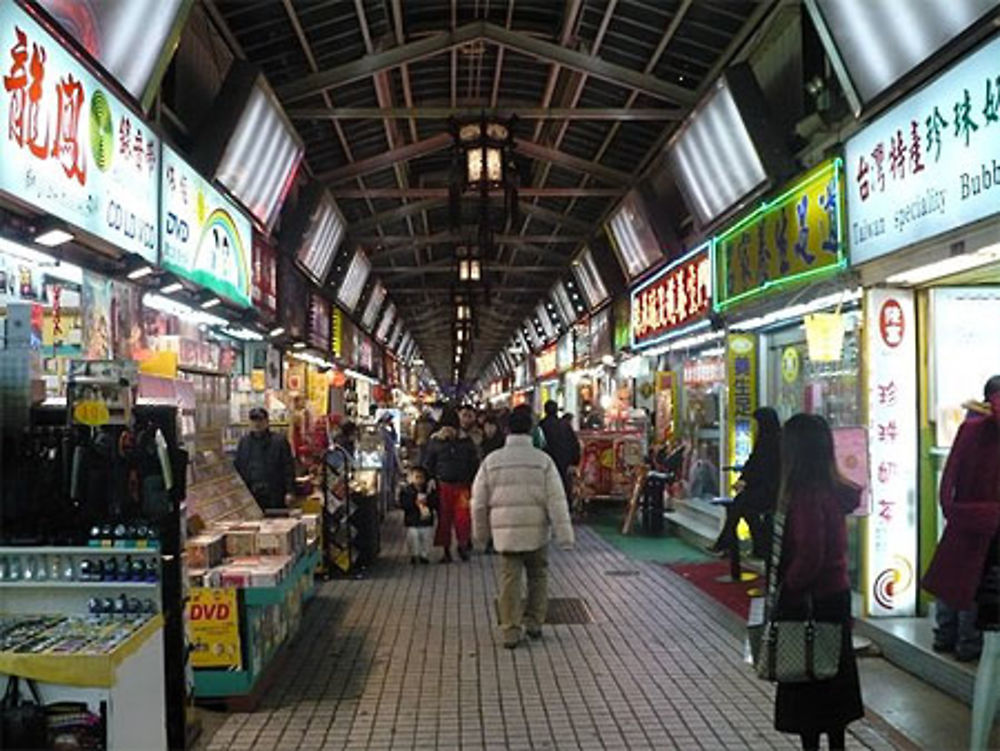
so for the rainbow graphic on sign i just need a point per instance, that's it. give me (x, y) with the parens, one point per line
(222, 255)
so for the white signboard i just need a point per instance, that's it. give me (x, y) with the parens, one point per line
(892, 409)
(68, 146)
(205, 238)
(931, 163)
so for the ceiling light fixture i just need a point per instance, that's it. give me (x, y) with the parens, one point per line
(171, 288)
(53, 237)
(140, 273)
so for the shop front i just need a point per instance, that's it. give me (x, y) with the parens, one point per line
(924, 238)
(794, 326)
(671, 330)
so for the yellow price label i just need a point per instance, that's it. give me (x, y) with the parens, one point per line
(91, 412)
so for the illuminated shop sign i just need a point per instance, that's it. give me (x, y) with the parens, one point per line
(264, 284)
(676, 296)
(546, 362)
(319, 322)
(793, 237)
(890, 320)
(72, 148)
(204, 236)
(931, 163)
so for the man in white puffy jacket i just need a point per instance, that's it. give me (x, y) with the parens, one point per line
(518, 498)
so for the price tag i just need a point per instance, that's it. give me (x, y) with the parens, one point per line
(91, 412)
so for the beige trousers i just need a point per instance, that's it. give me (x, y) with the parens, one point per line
(512, 568)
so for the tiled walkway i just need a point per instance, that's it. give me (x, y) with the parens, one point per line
(408, 659)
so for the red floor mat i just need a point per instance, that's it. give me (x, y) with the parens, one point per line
(703, 576)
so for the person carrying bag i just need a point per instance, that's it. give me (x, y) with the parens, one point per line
(804, 640)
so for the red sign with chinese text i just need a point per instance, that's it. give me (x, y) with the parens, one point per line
(675, 297)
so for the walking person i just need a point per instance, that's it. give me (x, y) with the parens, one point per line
(452, 460)
(756, 490)
(560, 442)
(420, 506)
(264, 461)
(518, 498)
(965, 572)
(493, 438)
(812, 578)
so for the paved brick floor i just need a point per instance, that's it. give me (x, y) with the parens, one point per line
(408, 659)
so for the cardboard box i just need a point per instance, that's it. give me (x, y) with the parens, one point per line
(205, 551)
(232, 576)
(241, 542)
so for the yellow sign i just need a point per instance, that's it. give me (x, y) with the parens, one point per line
(161, 363)
(258, 379)
(741, 371)
(214, 628)
(790, 365)
(91, 412)
(825, 336)
(795, 235)
(319, 390)
(337, 331)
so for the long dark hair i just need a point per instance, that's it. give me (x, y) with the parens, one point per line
(808, 463)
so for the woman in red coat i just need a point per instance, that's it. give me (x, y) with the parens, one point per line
(812, 573)
(970, 502)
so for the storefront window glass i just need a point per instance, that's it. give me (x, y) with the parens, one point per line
(797, 384)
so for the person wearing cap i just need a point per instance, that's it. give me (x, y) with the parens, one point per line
(264, 461)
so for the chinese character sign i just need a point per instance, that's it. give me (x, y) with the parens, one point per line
(204, 237)
(319, 322)
(892, 439)
(797, 234)
(741, 367)
(264, 287)
(931, 163)
(675, 297)
(69, 146)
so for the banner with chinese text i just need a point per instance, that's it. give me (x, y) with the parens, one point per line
(891, 555)
(794, 236)
(675, 297)
(204, 236)
(929, 164)
(72, 148)
(741, 371)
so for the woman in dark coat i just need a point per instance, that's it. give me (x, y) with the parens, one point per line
(757, 489)
(812, 570)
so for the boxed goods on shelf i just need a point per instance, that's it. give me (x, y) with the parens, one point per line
(206, 550)
(242, 540)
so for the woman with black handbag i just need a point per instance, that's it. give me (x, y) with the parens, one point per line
(812, 578)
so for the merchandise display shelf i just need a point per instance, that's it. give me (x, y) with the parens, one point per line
(258, 605)
(56, 584)
(77, 550)
(128, 682)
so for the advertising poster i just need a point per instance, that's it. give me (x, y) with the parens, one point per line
(264, 282)
(795, 235)
(214, 628)
(850, 445)
(95, 300)
(71, 147)
(204, 236)
(741, 372)
(666, 401)
(129, 333)
(890, 561)
(929, 164)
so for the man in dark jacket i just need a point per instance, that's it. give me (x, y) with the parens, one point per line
(452, 461)
(561, 444)
(264, 461)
